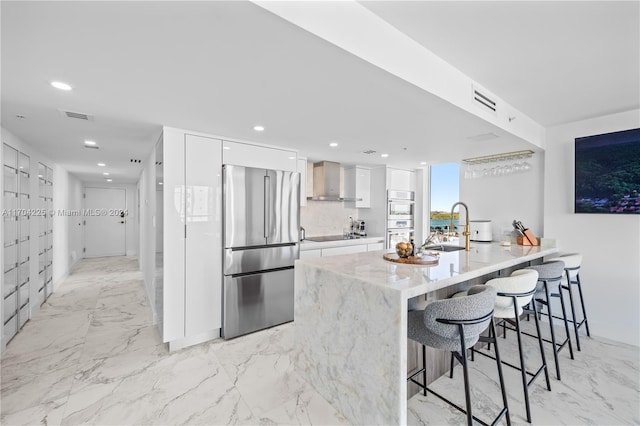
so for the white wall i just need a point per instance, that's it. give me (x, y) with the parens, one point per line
(68, 230)
(131, 225)
(610, 244)
(502, 199)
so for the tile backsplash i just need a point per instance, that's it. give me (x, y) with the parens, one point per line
(325, 217)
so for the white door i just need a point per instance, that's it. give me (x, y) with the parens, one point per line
(105, 217)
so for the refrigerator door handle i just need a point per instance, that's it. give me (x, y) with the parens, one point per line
(267, 203)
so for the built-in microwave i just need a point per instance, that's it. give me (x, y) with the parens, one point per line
(400, 205)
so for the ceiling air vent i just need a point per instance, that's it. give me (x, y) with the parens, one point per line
(484, 100)
(369, 151)
(77, 115)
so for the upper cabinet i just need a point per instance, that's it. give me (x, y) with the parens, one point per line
(248, 155)
(400, 179)
(302, 169)
(357, 185)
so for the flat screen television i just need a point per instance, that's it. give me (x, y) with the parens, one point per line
(607, 173)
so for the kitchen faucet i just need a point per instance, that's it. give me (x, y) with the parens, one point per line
(466, 233)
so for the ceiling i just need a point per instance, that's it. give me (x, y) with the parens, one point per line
(223, 67)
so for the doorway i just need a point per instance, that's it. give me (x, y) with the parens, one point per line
(105, 216)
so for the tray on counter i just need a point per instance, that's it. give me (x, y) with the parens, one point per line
(424, 260)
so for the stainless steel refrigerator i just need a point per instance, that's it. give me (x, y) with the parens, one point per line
(261, 235)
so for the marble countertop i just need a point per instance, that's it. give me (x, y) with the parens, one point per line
(414, 280)
(312, 245)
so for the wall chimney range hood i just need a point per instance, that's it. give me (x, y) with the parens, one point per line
(326, 182)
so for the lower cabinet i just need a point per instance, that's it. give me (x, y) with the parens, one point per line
(334, 251)
(310, 254)
(375, 246)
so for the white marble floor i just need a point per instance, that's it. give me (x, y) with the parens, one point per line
(92, 356)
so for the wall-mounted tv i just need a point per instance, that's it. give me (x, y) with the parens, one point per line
(607, 171)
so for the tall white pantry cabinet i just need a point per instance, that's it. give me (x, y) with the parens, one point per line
(192, 227)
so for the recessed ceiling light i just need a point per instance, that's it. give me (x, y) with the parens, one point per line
(423, 163)
(384, 155)
(101, 165)
(292, 158)
(160, 183)
(60, 85)
(109, 180)
(90, 143)
(226, 147)
(258, 128)
(106, 174)
(333, 144)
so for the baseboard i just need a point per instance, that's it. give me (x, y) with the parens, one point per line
(59, 281)
(175, 345)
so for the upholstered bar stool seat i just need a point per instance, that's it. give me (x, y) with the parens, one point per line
(572, 264)
(514, 293)
(549, 277)
(455, 325)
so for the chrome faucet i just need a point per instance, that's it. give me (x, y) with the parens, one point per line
(466, 233)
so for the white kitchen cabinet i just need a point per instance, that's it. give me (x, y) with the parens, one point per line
(249, 155)
(192, 233)
(375, 246)
(310, 254)
(402, 180)
(333, 251)
(203, 242)
(302, 169)
(357, 185)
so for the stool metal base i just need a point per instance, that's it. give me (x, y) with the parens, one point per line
(463, 361)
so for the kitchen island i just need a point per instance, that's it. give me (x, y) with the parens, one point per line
(350, 320)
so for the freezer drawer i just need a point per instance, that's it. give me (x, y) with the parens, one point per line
(257, 301)
(258, 259)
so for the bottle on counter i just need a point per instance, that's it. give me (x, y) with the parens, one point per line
(413, 246)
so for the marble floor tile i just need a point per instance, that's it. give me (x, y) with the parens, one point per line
(307, 408)
(93, 356)
(265, 381)
(188, 387)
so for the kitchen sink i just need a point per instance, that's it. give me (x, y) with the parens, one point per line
(443, 247)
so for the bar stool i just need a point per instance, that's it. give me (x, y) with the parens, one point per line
(455, 325)
(550, 275)
(572, 263)
(514, 294)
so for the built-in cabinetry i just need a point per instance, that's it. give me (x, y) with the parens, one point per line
(192, 228)
(192, 232)
(302, 169)
(382, 180)
(400, 179)
(45, 232)
(248, 155)
(16, 215)
(357, 186)
(338, 250)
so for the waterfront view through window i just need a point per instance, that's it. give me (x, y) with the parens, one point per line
(445, 191)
